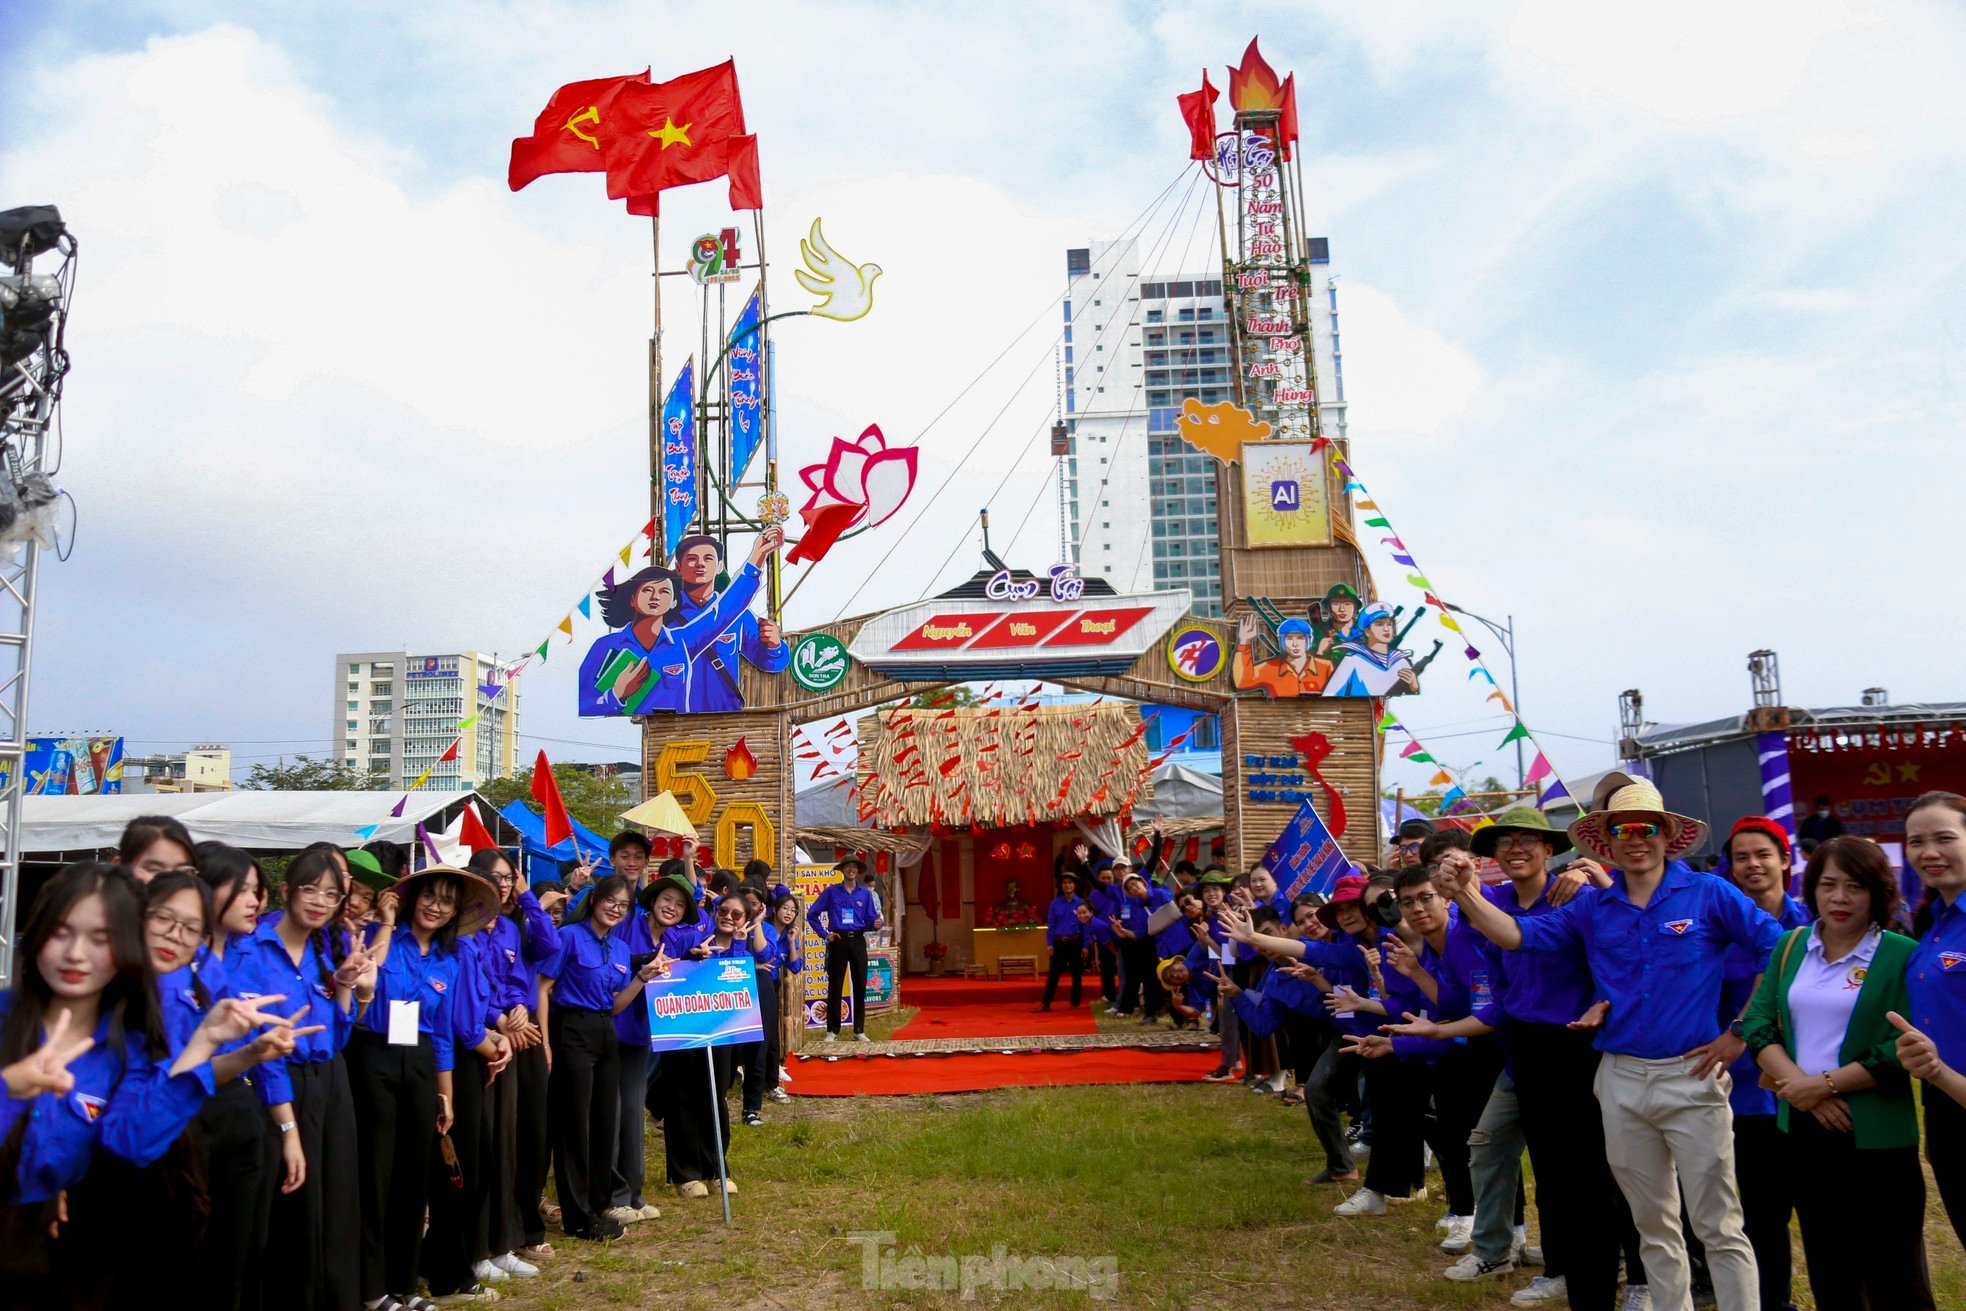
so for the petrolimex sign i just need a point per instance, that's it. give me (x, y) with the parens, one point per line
(1019, 628)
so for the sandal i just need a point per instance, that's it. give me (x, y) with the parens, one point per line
(549, 1212)
(536, 1251)
(1294, 1097)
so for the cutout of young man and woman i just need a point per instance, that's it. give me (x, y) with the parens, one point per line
(675, 640)
(1344, 649)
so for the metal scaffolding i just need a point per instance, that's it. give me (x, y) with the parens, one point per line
(33, 319)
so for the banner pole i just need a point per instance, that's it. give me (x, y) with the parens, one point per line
(719, 1110)
(655, 376)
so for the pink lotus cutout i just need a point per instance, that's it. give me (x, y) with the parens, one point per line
(862, 482)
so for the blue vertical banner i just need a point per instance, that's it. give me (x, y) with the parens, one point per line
(678, 459)
(1305, 857)
(746, 386)
(1777, 796)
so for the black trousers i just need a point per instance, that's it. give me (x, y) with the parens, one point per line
(1396, 1094)
(693, 1118)
(1945, 1152)
(1863, 1219)
(395, 1090)
(1585, 1220)
(452, 1244)
(1066, 954)
(583, 1104)
(240, 1163)
(313, 1238)
(534, 1144)
(1142, 988)
(499, 1212)
(1761, 1171)
(1109, 959)
(753, 1057)
(847, 953)
(1460, 1083)
(630, 1137)
(774, 1017)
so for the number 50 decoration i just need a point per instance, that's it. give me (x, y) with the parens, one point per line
(675, 773)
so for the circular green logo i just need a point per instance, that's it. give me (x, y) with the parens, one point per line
(819, 662)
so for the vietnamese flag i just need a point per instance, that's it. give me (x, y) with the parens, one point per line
(1287, 117)
(746, 189)
(546, 791)
(567, 136)
(1198, 111)
(670, 134)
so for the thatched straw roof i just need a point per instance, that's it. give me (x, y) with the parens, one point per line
(1001, 767)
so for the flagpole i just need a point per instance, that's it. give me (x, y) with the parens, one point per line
(655, 374)
(766, 418)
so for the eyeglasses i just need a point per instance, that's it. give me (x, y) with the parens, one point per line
(613, 907)
(315, 892)
(1517, 840)
(1636, 829)
(168, 925)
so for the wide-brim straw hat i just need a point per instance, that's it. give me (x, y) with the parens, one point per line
(478, 902)
(1518, 819)
(1592, 833)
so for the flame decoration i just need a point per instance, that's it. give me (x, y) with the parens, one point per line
(1254, 85)
(739, 763)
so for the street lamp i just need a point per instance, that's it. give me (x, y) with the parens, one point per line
(1505, 634)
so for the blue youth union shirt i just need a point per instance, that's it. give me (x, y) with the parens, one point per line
(1661, 967)
(670, 655)
(709, 689)
(1936, 980)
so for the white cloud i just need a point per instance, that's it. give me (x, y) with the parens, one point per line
(1404, 381)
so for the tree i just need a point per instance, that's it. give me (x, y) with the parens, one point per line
(308, 775)
(596, 800)
(962, 694)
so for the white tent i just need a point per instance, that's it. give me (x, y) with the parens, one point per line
(1181, 792)
(255, 821)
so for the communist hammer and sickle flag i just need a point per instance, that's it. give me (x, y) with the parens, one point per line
(570, 133)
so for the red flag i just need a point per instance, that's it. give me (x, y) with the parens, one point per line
(474, 834)
(546, 791)
(450, 752)
(823, 528)
(669, 134)
(1198, 111)
(567, 136)
(747, 188)
(1287, 116)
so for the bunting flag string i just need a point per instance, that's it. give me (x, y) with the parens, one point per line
(1403, 554)
(494, 687)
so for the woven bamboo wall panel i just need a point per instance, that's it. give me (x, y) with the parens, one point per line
(1260, 730)
(698, 757)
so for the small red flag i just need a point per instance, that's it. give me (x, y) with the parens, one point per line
(1198, 110)
(567, 136)
(1287, 116)
(546, 791)
(669, 134)
(450, 752)
(747, 190)
(474, 834)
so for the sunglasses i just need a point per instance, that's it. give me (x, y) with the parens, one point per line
(1636, 829)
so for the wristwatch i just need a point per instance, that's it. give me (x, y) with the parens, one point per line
(1736, 1029)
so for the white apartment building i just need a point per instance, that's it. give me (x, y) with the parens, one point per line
(1141, 502)
(397, 713)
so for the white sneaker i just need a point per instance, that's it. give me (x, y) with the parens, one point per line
(1638, 1297)
(783, 1076)
(1460, 1235)
(487, 1273)
(1417, 1195)
(1445, 1222)
(624, 1215)
(650, 1211)
(779, 1095)
(1524, 1251)
(1471, 1268)
(861, 1037)
(1542, 1291)
(831, 1036)
(1362, 1202)
(512, 1265)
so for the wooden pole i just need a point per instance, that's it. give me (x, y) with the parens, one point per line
(655, 377)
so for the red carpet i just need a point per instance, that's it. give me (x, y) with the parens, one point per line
(986, 1008)
(890, 1076)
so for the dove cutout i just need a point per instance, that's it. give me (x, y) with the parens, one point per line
(1219, 429)
(845, 289)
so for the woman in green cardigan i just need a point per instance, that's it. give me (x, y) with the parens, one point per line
(1819, 1030)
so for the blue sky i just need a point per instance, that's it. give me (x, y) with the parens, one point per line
(1651, 326)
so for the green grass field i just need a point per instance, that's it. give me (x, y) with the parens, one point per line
(1195, 1193)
